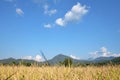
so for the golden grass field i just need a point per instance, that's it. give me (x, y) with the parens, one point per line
(60, 73)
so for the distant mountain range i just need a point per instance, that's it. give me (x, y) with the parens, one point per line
(61, 57)
(12, 60)
(99, 59)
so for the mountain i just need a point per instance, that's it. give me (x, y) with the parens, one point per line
(16, 61)
(60, 58)
(116, 60)
(57, 58)
(100, 59)
(6, 61)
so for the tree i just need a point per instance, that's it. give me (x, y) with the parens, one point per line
(24, 63)
(14, 63)
(67, 62)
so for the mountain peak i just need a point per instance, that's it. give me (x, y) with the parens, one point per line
(60, 55)
(58, 58)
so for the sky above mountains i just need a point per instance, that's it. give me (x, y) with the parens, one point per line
(77, 28)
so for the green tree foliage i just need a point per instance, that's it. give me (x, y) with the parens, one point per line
(25, 63)
(14, 63)
(67, 62)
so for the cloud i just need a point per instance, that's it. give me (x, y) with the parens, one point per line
(60, 22)
(103, 53)
(74, 57)
(49, 12)
(36, 58)
(19, 11)
(47, 26)
(74, 15)
(52, 11)
(28, 57)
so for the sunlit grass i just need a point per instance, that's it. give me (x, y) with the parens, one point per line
(60, 73)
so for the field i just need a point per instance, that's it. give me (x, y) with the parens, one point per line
(60, 73)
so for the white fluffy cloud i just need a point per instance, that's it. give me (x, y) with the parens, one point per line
(47, 26)
(49, 12)
(74, 57)
(36, 58)
(103, 53)
(19, 11)
(60, 22)
(75, 14)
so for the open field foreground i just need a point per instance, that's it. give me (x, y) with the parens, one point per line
(60, 73)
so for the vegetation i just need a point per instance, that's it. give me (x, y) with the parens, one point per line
(60, 73)
(67, 62)
(66, 70)
(62, 60)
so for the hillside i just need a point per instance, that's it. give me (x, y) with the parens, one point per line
(11, 61)
(100, 59)
(116, 60)
(60, 58)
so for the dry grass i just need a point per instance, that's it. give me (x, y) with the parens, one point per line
(60, 73)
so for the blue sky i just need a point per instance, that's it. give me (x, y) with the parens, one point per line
(77, 28)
